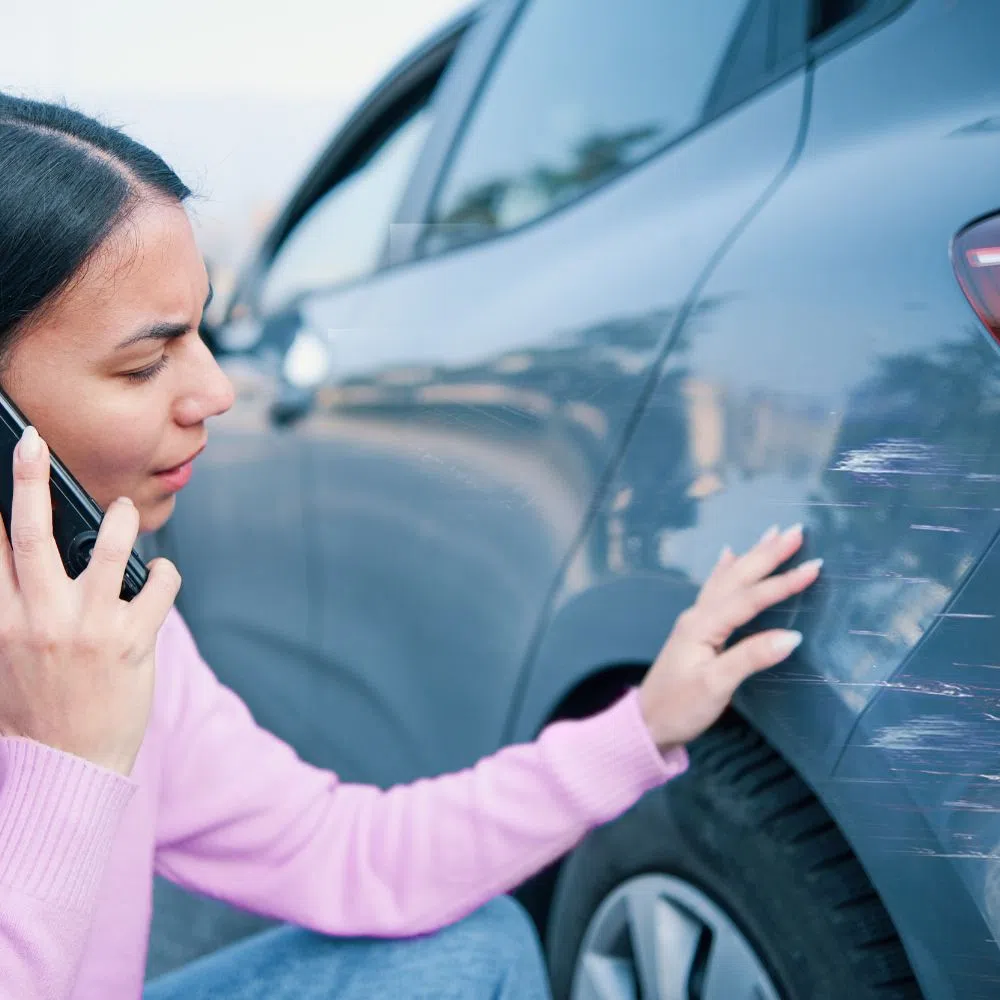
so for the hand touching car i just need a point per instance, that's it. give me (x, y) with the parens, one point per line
(695, 675)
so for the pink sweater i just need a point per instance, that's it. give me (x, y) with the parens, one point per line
(222, 807)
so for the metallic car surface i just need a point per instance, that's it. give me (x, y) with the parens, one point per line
(528, 453)
(832, 372)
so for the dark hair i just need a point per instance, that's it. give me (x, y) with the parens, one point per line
(67, 182)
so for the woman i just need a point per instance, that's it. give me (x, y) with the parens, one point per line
(115, 762)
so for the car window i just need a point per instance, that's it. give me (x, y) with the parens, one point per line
(342, 234)
(837, 22)
(583, 90)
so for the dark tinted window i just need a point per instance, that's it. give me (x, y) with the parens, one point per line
(835, 22)
(583, 90)
(828, 14)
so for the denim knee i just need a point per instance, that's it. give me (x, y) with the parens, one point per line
(502, 926)
(507, 914)
(494, 952)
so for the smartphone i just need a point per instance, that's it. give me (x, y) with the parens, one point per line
(76, 516)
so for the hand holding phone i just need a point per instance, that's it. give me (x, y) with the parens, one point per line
(76, 661)
(76, 517)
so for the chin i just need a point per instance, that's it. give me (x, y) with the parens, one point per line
(154, 516)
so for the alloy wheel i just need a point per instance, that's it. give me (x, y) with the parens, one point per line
(657, 937)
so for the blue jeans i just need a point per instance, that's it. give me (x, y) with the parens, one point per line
(493, 954)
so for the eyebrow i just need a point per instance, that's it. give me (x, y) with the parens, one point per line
(163, 331)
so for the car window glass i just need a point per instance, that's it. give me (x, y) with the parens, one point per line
(828, 14)
(582, 90)
(836, 22)
(341, 236)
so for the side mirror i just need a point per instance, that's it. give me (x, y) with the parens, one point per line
(305, 366)
(308, 360)
(291, 404)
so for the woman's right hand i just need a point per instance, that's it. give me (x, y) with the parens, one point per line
(76, 661)
(696, 675)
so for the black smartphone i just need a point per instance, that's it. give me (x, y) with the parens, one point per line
(76, 516)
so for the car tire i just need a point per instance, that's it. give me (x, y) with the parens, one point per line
(739, 835)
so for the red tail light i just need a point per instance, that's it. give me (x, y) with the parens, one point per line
(976, 259)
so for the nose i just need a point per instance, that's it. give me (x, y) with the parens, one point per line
(208, 393)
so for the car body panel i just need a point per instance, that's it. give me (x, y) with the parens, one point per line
(475, 405)
(530, 451)
(448, 464)
(919, 781)
(832, 372)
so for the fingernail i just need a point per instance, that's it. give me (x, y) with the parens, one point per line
(31, 444)
(724, 554)
(808, 567)
(770, 534)
(790, 533)
(785, 642)
(126, 501)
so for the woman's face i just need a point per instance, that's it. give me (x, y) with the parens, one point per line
(114, 373)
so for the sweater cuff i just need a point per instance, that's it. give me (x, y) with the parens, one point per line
(58, 818)
(618, 760)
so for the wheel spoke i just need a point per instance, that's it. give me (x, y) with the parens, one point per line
(664, 941)
(658, 937)
(603, 977)
(733, 972)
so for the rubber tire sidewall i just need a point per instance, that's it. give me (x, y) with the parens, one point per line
(700, 830)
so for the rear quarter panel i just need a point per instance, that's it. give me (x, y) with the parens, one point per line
(831, 372)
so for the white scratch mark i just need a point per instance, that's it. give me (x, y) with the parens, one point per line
(817, 503)
(945, 774)
(893, 457)
(927, 852)
(955, 614)
(918, 734)
(938, 689)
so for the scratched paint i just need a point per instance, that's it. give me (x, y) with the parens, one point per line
(895, 457)
(935, 731)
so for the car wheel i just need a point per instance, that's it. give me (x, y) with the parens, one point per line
(729, 883)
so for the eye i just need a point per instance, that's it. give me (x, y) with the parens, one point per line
(146, 374)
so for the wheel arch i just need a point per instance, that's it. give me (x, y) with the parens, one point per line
(594, 647)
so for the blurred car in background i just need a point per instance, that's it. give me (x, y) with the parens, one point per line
(582, 292)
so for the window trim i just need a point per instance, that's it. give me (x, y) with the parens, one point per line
(458, 97)
(419, 250)
(723, 97)
(367, 264)
(404, 90)
(874, 15)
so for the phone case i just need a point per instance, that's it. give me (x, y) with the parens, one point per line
(76, 516)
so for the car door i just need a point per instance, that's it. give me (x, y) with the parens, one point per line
(240, 533)
(469, 407)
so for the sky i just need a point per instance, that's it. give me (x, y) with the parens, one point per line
(238, 96)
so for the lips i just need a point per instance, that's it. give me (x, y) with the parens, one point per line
(178, 476)
(180, 465)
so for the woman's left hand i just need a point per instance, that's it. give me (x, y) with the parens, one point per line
(694, 676)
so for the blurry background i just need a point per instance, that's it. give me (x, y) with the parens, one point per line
(238, 97)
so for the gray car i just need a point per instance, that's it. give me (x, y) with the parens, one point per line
(582, 292)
